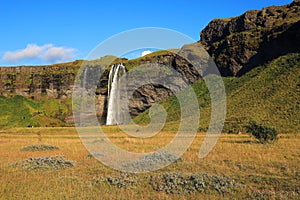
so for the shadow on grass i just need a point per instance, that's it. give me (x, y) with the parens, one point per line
(242, 142)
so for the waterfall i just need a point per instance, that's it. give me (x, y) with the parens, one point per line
(113, 109)
(84, 78)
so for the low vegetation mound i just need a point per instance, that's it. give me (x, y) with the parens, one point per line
(56, 163)
(177, 183)
(173, 183)
(123, 180)
(151, 161)
(42, 147)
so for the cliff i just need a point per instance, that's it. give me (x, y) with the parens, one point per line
(53, 84)
(241, 43)
(147, 95)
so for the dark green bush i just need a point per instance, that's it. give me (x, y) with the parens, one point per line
(262, 133)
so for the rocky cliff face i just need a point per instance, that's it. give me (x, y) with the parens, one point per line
(51, 82)
(149, 94)
(241, 43)
(57, 81)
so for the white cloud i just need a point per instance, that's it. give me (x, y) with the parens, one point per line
(47, 52)
(146, 52)
(54, 54)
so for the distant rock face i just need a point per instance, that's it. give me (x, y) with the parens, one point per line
(241, 43)
(50, 82)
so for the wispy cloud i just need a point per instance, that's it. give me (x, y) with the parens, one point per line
(146, 52)
(47, 52)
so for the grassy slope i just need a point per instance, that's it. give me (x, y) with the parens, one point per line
(268, 94)
(19, 111)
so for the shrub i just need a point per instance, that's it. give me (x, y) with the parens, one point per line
(262, 133)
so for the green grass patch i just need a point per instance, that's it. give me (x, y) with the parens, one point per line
(19, 111)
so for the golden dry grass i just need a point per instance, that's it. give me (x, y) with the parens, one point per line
(261, 168)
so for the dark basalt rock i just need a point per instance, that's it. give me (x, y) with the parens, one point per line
(241, 43)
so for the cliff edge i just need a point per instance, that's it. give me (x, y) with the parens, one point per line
(241, 43)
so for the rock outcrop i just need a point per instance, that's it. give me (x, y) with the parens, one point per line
(241, 43)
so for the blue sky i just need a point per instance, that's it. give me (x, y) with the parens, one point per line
(49, 31)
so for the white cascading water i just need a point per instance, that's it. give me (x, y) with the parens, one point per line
(84, 90)
(84, 78)
(113, 108)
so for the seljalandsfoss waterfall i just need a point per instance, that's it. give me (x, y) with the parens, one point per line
(114, 115)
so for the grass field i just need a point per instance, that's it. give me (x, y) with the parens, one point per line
(263, 171)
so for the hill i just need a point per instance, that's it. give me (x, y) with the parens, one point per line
(268, 94)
